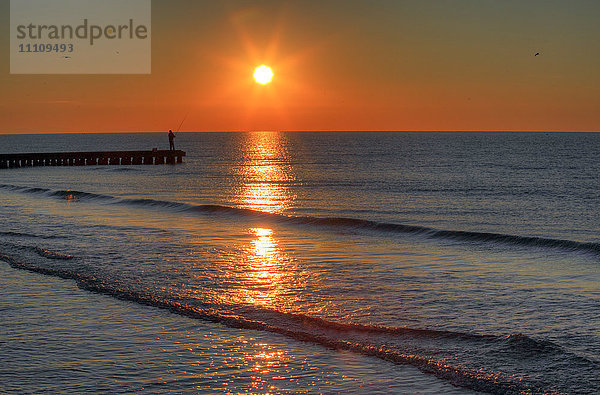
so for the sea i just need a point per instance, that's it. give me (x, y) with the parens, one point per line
(304, 262)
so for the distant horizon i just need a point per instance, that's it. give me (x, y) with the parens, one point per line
(302, 131)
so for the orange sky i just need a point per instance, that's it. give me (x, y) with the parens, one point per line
(339, 65)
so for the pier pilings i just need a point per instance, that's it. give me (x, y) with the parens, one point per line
(101, 158)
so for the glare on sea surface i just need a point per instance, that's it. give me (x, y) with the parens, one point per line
(264, 271)
(261, 179)
(262, 232)
(69, 196)
(265, 360)
(264, 174)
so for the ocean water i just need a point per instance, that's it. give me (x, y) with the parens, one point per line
(313, 262)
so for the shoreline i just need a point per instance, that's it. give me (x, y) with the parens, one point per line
(58, 337)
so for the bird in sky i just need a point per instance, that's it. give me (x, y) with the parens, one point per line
(536, 54)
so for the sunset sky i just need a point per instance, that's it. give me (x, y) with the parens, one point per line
(338, 65)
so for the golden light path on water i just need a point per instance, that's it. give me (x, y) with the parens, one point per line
(269, 272)
(264, 173)
(263, 268)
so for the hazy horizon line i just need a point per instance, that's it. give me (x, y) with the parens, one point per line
(300, 131)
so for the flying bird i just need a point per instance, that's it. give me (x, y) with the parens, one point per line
(536, 54)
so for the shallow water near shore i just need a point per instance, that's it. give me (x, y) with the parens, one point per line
(406, 262)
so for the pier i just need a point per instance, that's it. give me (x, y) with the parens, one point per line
(154, 157)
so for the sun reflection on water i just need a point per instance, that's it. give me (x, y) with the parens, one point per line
(262, 177)
(266, 362)
(264, 174)
(265, 265)
(70, 197)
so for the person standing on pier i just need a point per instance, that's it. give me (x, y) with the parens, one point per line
(171, 140)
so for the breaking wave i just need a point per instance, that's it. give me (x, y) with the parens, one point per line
(349, 224)
(393, 344)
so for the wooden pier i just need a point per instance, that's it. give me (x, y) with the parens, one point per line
(154, 157)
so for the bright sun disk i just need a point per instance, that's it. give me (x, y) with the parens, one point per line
(263, 74)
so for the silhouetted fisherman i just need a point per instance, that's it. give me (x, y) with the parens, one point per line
(171, 140)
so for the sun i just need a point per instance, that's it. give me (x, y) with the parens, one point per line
(263, 74)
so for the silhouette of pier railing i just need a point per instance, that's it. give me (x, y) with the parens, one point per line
(154, 157)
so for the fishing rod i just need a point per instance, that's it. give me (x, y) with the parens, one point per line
(183, 120)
